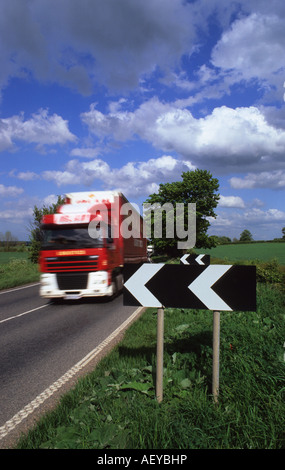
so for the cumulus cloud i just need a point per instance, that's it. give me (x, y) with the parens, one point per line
(252, 46)
(41, 129)
(10, 191)
(267, 179)
(26, 175)
(133, 179)
(86, 152)
(226, 139)
(231, 201)
(252, 49)
(265, 216)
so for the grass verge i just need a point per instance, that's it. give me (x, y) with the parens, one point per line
(17, 271)
(115, 407)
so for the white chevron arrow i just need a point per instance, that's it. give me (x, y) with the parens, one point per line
(136, 284)
(201, 287)
(199, 259)
(183, 259)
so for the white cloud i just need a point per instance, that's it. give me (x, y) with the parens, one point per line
(61, 177)
(231, 201)
(41, 129)
(27, 175)
(253, 49)
(86, 152)
(133, 179)
(264, 216)
(15, 216)
(253, 46)
(226, 139)
(248, 53)
(10, 191)
(266, 179)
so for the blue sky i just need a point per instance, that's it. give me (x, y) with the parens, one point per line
(128, 94)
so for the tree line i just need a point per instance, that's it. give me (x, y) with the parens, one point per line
(245, 237)
(196, 186)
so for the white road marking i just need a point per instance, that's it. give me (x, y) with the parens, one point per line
(12, 423)
(24, 313)
(18, 288)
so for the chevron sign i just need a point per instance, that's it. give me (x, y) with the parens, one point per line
(195, 259)
(213, 287)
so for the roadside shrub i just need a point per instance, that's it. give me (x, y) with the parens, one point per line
(269, 272)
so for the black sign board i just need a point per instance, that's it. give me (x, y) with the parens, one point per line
(212, 287)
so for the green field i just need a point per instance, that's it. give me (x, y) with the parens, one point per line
(249, 251)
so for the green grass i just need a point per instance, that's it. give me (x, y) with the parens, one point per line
(250, 251)
(115, 406)
(7, 256)
(16, 269)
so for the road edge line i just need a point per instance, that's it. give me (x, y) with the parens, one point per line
(12, 423)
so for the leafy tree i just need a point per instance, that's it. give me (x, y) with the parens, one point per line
(224, 239)
(283, 231)
(36, 234)
(196, 187)
(221, 240)
(245, 236)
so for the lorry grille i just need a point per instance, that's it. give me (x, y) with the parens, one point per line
(71, 281)
(61, 264)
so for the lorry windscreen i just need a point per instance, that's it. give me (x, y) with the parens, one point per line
(69, 237)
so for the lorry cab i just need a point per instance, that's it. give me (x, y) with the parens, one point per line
(80, 256)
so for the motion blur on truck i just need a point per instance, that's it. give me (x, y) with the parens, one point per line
(86, 244)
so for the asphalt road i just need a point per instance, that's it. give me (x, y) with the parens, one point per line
(42, 341)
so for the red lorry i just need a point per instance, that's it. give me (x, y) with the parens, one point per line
(86, 243)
